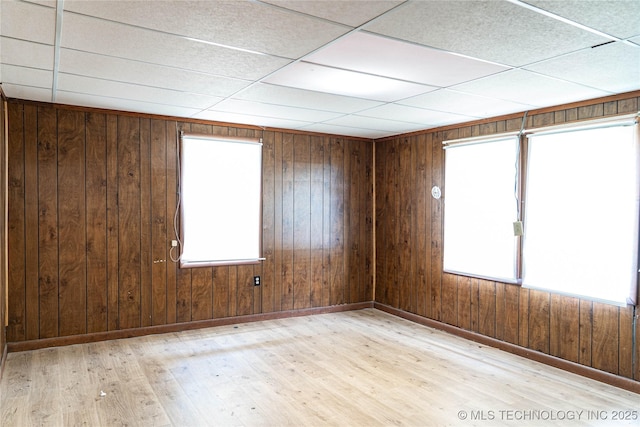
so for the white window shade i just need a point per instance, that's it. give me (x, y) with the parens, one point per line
(480, 208)
(220, 189)
(581, 224)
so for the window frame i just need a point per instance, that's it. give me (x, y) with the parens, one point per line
(256, 220)
(521, 189)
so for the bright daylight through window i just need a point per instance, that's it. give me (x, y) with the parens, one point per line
(220, 192)
(581, 214)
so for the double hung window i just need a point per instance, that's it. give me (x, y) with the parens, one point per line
(579, 200)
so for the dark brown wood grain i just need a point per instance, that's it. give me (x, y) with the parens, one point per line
(48, 222)
(31, 217)
(96, 194)
(160, 223)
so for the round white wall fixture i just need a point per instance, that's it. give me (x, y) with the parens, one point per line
(435, 192)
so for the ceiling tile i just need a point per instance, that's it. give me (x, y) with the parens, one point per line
(221, 116)
(293, 97)
(491, 30)
(119, 104)
(272, 110)
(113, 39)
(130, 71)
(26, 92)
(239, 23)
(352, 13)
(373, 54)
(28, 21)
(24, 76)
(373, 123)
(343, 82)
(463, 103)
(529, 88)
(92, 86)
(347, 131)
(424, 118)
(613, 67)
(26, 54)
(619, 18)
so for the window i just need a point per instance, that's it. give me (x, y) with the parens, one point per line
(581, 228)
(480, 208)
(581, 209)
(220, 196)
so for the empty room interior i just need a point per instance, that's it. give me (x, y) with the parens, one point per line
(317, 212)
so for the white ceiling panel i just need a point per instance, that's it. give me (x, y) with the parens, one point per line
(28, 21)
(222, 116)
(619, 18)
(109, 88)
(147, 74)
(272, 110)
(353, 13)
(367, 68)
(529, 88)
(347, 130)
(373, 123)
(344, 82)
(496, 31)
(612, 67)
(27, 92)
(26, 54)
(241, 23)
(113, 39)
(301, 98)
(87, 100)
(421, 116)
(23, 76)
(373, 54)
(447, 100)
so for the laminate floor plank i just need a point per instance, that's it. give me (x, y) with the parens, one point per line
(357, 368)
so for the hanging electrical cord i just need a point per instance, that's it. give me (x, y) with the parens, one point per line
(178, 201)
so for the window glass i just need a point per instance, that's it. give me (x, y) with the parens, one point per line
(581, 219)
(220, 192)
(480, 208)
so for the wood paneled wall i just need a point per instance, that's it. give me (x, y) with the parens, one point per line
(409, 276)
(3, 234)
(92, 197)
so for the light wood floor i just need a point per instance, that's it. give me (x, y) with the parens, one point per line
(361, 368)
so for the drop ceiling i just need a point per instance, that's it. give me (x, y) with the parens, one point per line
(363, 68)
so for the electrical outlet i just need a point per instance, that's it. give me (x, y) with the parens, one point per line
(256, 280)
(174, 243)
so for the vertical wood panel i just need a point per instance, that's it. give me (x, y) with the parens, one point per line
(326, 222)
(113, 231)
(437, 178)
(419, 227)
(405, 204)
(278, 251)
(31, 219)
(625, 346)
(286, 298)
(487, 306)
(564, 327)
(146, 252)
(301, 222)
(16, 329)
(464, 302)
(605, 350)
(511, 306)
(352, 223)
(337, 222)
(268, 222)
(539, 320)
(72, 223)
(172, 191)
(585, 332)
(129, 222)
(48, 221)
(159, 223)
(317, 234)
(449, 299)
(96, 211)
